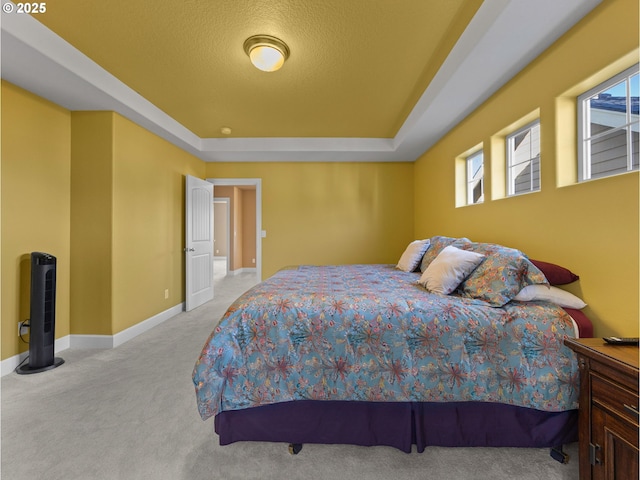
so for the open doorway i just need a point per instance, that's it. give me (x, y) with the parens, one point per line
(239, 203)
(221, 236)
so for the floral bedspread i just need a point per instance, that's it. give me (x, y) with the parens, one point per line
(370, 333)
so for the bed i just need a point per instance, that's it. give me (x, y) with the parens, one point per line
(377, 355)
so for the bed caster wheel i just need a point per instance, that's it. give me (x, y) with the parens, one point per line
(294, 448)
(558, 454)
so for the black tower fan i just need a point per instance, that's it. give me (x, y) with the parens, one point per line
(42, 324)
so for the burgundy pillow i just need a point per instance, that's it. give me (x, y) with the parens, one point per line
(556, 274)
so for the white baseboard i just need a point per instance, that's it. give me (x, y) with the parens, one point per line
(10, 364)
(98, 341)
(112, 341)
(243, 270)
(91, 341)
(135, 330)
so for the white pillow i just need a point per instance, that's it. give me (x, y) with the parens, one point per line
(412, 255)
(550, 294)
(449, 269)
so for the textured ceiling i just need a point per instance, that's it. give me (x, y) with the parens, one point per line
(356, 67)
(367, 80)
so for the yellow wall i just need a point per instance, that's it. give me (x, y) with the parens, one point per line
(35, 205)
(591, 227)
(330, 213)
(148, 228)
(127, 205)
(91, 222)
(108, 197)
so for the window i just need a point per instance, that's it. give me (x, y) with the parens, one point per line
(523, 160)
(608, 137)
(475, 178)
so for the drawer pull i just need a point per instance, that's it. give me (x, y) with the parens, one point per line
(632, 410)
(594, 449)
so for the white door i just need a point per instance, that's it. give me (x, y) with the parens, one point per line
(198, 242)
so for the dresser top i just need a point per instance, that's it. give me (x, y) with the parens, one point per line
(628, 354)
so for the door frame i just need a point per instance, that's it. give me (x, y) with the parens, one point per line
(227, 203)
(242, 182)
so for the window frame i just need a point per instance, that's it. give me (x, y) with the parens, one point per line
(470, 179)
(584, 120)
(509, 140)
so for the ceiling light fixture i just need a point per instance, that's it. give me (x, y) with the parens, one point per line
(266, 53)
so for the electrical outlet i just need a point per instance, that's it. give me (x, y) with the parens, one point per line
(22, 329)
(253, 260)
(166, 293)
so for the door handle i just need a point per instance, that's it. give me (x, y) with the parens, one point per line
(189, 249)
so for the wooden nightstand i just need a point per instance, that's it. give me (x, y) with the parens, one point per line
(608, 418)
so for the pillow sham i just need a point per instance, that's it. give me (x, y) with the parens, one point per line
(550, 294)
(412, 255)
(436, 245)
(504, 272)
(448, 269)
(556, 274)
(585, 327)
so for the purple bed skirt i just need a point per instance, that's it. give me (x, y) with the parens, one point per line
(399, 424)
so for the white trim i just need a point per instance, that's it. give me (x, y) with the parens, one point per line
(257, 182)
(98, 341)
(243, 270)
(586, 116)
(227, 202)
(139, 328)
(471, 181)
(112, 341)
(10, 364)
(91, 341)
(514, 169)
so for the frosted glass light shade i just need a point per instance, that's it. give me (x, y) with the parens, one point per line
(266, 53)
(266, 58)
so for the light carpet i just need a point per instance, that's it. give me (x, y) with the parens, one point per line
(130, 413)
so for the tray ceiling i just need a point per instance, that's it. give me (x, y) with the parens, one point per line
(367, 80)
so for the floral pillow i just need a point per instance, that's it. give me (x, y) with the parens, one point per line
(437, 244)
(500, 277)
